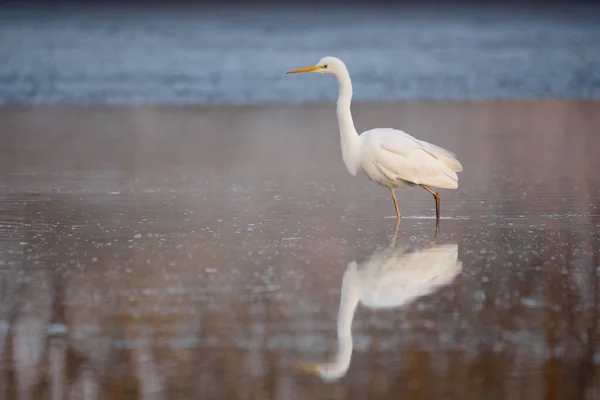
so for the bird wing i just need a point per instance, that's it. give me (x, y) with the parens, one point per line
(445, 156)
(407, 276)
(407, 158)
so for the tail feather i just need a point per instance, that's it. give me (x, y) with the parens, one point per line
(445, 156)
(447, 180)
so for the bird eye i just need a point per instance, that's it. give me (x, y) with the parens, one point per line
(325, 66)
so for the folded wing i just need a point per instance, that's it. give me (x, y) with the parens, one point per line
(401, 156)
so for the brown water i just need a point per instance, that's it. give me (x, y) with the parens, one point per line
(178, 253)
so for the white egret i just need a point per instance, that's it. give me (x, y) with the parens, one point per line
(390, 278)
(389, 157)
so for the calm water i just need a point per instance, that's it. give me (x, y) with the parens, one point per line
(109, 54)
(161, 253)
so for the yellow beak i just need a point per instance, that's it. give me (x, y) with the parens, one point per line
(308, 368)
(307, 69)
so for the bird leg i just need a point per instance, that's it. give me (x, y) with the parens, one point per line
(393, 244)
(437, 200)
(434, 239)
(395, 204)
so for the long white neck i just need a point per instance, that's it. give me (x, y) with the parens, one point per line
(348, 302)
(348, 135)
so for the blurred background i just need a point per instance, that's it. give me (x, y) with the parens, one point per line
(238, 52)
(176, 221)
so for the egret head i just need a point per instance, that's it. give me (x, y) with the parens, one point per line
(326, 65)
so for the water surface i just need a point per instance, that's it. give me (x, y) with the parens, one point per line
(164, 253)
(239, 54)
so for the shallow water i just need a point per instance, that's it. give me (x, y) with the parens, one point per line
(164, 253)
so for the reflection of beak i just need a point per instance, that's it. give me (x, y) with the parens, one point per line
(308, 368)
(307, 69)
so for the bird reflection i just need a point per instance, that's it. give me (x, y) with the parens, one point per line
(392, 277)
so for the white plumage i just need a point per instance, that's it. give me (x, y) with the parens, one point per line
(394, 159)
(389, 278)
(389, 157)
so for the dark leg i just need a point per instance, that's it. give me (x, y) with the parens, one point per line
(395, 204)
(435, 237)
(393, 244)
(437, 200)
